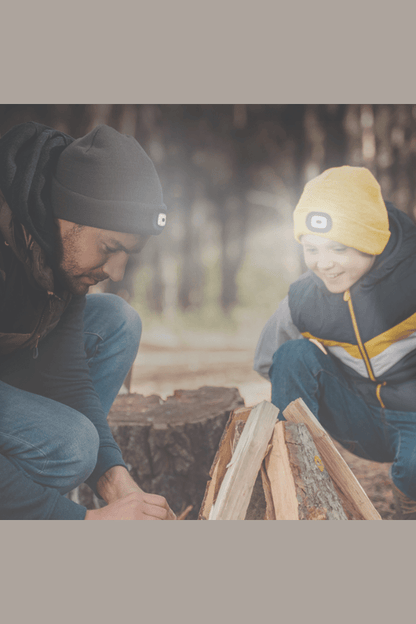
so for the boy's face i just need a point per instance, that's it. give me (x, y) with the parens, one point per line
(339, 267)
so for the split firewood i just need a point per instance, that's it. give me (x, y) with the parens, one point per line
(222, 459)
(300, 486)
(237, 486)
(292, 482)
(353, 497)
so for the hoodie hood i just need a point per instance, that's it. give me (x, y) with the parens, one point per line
(401, 246)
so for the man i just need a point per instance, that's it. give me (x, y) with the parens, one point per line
(71, 213)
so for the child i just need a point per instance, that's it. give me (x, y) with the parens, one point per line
(344, 339)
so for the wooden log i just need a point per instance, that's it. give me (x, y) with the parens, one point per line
(291, 464)
(257, 507)
(237, 486)
(352, 495)
(169, 446)
(280, 478)
(222, 459)
(301, 487)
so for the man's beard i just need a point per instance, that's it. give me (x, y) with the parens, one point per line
(69, 275)
(71, 283)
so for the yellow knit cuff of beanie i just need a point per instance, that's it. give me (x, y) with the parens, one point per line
(344, 204)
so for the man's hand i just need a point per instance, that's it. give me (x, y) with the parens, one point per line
(126, 500)
(134, 506)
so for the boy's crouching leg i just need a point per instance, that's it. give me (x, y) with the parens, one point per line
(294, 373)
(403, 469)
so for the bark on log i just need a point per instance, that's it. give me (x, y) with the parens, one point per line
(169, 446)
(354, 500)
(292, 483)
(301, 487)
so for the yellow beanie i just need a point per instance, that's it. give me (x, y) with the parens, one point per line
(345, 205)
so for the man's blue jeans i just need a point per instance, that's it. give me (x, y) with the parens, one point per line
(301, 369)
(52, 443)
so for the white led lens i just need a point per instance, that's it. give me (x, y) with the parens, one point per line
(319, 222)
(161, 220)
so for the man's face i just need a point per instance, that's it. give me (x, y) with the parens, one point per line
(87, 255)
(338, 266)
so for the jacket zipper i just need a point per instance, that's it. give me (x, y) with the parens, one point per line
(364, 354)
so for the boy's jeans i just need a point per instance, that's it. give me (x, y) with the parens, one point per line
(301, 369)
(52, 443)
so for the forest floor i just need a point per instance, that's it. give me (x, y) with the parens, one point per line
(161, 369)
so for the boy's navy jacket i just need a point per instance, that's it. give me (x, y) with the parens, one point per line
(373, 335)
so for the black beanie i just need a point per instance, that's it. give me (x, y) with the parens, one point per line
(106, 180)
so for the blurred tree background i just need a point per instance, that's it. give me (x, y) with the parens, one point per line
(231, 176)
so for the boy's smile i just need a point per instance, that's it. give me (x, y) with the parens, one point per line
(338, 266)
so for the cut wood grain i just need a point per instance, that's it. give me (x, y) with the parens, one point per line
(257, 507)
(280, 477)
(222, 459)
(346, 483)
(237, 485)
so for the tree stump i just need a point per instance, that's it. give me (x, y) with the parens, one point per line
(169, 446)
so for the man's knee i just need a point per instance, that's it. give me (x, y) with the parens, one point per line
(74, 456)
(132, 324)
(120, 317)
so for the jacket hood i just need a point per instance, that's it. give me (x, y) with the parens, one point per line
(401, 245)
